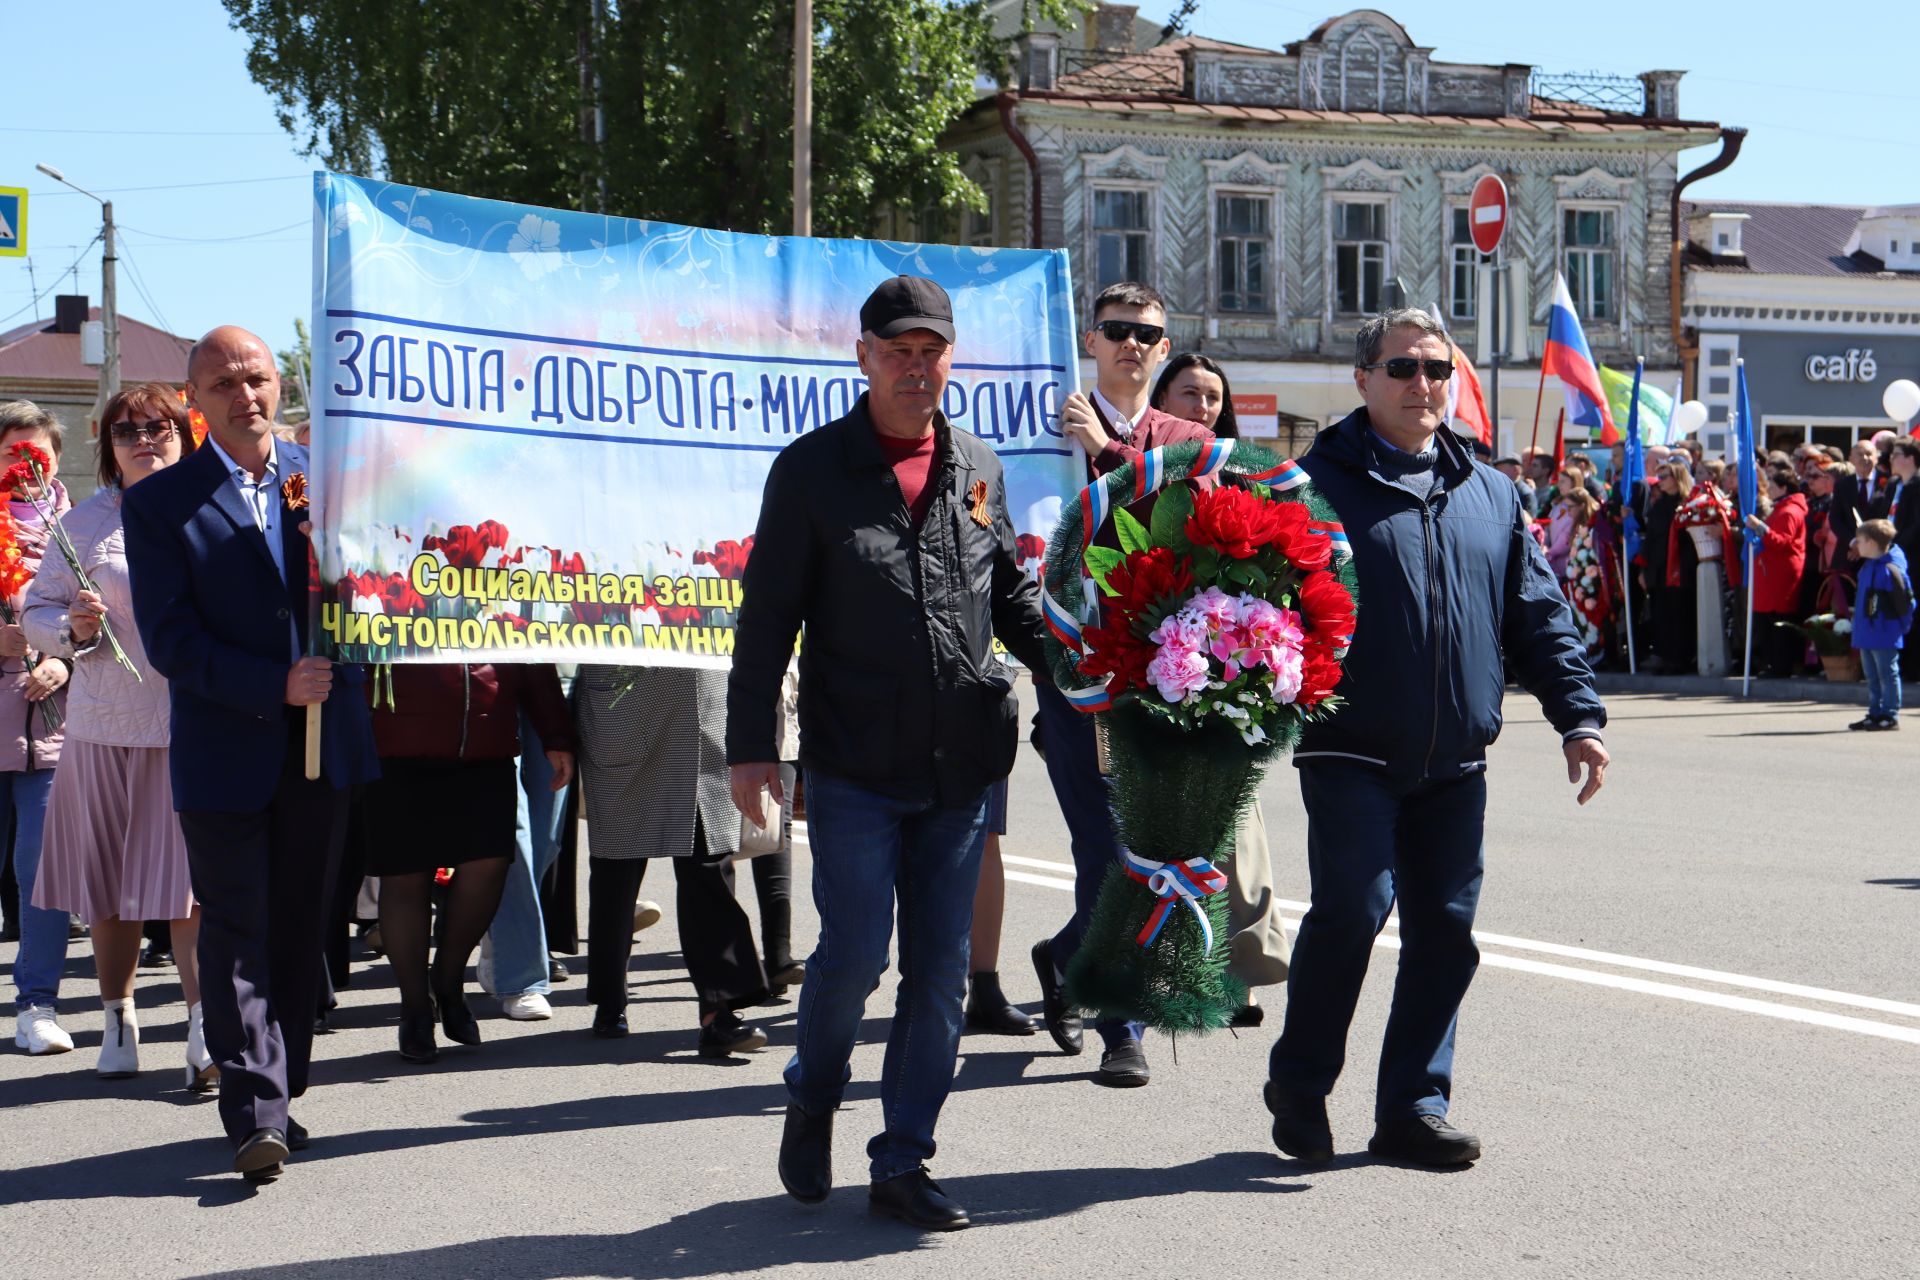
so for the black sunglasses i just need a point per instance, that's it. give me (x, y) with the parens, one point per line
(1401, 368)
(1146, 335)
(159, 431)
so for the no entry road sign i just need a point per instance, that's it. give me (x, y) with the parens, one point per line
(1487, 213)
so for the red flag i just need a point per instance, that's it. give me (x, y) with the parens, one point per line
(1559, 443)
(1466, 407)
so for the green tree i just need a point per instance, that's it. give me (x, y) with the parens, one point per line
(488, 97)
(294, 364)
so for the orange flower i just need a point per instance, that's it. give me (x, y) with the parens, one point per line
(295, 491)
(196, 421)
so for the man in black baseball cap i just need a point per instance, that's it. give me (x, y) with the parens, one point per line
(906, 303)
(885, 535)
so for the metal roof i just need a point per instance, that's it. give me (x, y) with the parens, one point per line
(1787, 239)
(147, 354)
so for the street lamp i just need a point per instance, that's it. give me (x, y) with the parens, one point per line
(109, 296)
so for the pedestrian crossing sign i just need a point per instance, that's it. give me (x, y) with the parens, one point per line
(13, 222)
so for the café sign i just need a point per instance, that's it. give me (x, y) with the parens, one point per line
(1855, 365)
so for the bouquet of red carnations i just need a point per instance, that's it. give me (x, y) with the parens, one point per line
(1214, 631)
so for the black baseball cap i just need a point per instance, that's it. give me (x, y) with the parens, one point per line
(905, 303)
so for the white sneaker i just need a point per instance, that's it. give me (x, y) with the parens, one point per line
(528, 1006)
(645, 915)
(201, 1074)
(120, 1042)
(484, 966)
(35, 1030)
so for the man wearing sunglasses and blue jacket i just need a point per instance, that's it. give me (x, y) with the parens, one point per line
(1452, 588)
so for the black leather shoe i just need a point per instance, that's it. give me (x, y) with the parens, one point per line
(260, 1155)
(727, 1035)
(1300, 1127)
(989, 1010)
(1062, 1023)
(806, 1154)
(609, 1024)
(416, 1035)
(456, 1019)
(780, 977)
(156, 956)
(1248, 1015)
(1423, 1139)
(1124, 1066)
(916, 1199)
(297, 1137)
(557, 972)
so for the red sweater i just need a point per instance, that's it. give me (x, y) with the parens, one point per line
(454, 711)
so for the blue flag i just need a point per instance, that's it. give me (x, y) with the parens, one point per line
(1743, 448)
(1633, 470)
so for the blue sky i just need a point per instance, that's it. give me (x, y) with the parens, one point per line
(152, 104)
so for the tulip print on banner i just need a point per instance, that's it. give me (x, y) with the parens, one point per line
(542, 435)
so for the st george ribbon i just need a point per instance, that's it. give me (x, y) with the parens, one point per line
(541, 435)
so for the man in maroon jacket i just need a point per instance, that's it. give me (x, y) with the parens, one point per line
(1115, 425)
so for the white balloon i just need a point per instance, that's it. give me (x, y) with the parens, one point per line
(1689, 418)
(1901, 400)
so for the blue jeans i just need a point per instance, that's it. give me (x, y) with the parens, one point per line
(1073, 766)
(868, 850)
(1882, 668)
(1371, 838)
(519, 930)
(43, 933)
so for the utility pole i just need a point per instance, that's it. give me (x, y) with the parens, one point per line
(803, 117)
(109, 295)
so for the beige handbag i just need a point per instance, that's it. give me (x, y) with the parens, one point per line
(776, 833)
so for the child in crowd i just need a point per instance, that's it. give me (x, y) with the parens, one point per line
(1882, 614)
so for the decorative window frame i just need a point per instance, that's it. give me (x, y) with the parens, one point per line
(987, 175)
(1456, 187)
(1363, 181)
(1125, 168)
(1247, 174)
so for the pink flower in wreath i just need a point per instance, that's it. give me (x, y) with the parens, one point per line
(1288, 665)
(1177, 671)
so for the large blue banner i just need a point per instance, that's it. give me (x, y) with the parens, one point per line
(543, 435)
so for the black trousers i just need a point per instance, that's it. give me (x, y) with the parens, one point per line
(264, 880)
(715, 936)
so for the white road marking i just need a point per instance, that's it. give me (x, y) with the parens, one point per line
(1061, 878)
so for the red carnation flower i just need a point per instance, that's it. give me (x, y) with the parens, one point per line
(1319, 672)
(28, 453)
(1327, 604)
(18, 478)
(492, 534)
(1143, 580)
(1234, 521)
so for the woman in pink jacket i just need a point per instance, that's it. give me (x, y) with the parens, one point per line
(113, 853)
(30, 744)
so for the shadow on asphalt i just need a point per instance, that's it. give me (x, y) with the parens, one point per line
(768, 1231)
(1898, 883)
(1784, 733)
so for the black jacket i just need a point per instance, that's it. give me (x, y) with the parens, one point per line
(1851, 507)
(1445, 590)
(900, 690)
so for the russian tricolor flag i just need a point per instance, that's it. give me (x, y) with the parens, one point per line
(1568, 358)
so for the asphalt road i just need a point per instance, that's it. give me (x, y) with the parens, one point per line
(1691, 1051)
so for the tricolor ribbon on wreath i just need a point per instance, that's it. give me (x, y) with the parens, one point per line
(1150, 476)
(1185, 881)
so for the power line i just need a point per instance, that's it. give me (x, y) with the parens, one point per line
(140, 283)
(251, 235)
(156, 133)
(174, 186)
(56, 281)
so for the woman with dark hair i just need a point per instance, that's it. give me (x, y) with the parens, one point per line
(112, 852)
(1782, 558)
(1195, 387)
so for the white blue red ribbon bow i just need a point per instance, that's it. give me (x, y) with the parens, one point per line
(1185, 881)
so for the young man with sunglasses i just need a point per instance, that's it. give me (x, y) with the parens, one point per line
(1452, 585)
(1115, 425)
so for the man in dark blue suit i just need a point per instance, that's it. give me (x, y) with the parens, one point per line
(217, 554)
